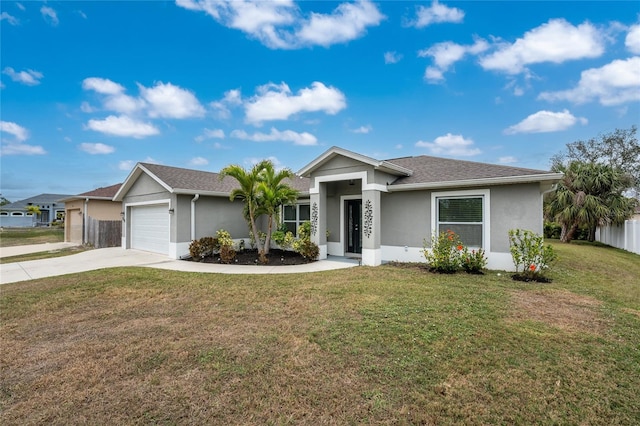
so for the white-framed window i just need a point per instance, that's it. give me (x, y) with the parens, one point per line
(4, 213)
(17, 214)
(464, 212)
(295, 215)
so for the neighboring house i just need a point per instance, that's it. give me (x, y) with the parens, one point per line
(379, 210)
(82, 209)
(15, 215)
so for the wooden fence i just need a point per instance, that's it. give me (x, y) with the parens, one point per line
(104, 233)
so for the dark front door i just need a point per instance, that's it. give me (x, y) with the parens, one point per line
(354, 226)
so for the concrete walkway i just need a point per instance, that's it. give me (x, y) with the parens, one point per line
(117, 257)
(33, 248)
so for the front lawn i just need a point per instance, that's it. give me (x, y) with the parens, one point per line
(385, 345)
(22, 236)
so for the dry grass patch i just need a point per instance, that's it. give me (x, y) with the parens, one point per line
(558, 308)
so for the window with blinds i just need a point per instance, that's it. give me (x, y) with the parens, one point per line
(464, 216)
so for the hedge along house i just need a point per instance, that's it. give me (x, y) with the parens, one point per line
(165, 208)
(385, 210)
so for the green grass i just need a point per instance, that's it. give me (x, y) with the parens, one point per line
(22, 236)
(385, 345)
(43, 255)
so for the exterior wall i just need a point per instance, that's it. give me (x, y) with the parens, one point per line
(406, 218)
(406, 221)
(104, 209)
(17, 221)
(514, 206)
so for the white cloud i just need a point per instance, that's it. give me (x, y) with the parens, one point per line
(616, 83)
(16, 146)
(632, 41)
(115, 99)
(123, 126)
(160, 101)
(20, 6)
(199, 161)
(556, 41)
(169, 101)
(252, 161)
(96, 148)
(436, 14)
(452, 145)
(392, 57)
(28, 77)
(545, 121)
(12, 20)
(49, 15)
(102, 85)
(19, 133)
(507, 160)
(126, 165)
(280, 25)
(231, 98)
(210, 134)
(363, 129)
(348, 21)
(447, 53)
(276, 102)
(86, 107)
(303, 138)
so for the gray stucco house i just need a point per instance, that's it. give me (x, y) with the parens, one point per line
(381, 210)
(16, 215)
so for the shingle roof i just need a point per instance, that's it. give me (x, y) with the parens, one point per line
(37, 200)
(104, 192)
(195, 180)
(428, 169)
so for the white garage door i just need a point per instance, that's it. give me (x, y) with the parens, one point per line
(150, 228)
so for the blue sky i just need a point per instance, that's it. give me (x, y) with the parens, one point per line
(90, 88)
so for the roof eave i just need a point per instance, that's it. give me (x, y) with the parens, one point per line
(507, 180)
(133, 176)
(333, 151)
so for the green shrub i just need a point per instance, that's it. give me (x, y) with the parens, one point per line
(199, 249)
(227, 252)
(445, 254)
(473, 261)
(530, 256)
(284, 239)
(303, 245)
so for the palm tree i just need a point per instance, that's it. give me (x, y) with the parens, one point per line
(590, 194)
(248, 192)
(273, 193)
(35, 210)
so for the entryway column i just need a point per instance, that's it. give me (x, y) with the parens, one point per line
(319, 218)
(371, 252)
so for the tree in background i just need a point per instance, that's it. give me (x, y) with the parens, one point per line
(35, 210)
(590, 194)
(598, 174)
(619, 149)
(4, 201)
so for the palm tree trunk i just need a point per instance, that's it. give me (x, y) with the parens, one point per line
(267, 241)
(254, 229)
(567, 233)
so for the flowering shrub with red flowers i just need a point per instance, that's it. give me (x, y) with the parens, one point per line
(444, 255)
(473, 261)
(530, 256)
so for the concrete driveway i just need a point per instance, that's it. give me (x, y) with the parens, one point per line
(117, 257)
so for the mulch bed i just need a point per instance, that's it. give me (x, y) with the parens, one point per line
(527, 279)
(277, 257)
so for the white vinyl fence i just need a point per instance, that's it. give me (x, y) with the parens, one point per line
(626, 237)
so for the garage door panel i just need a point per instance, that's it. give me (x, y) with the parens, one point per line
(74, 223)
(150, 228)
